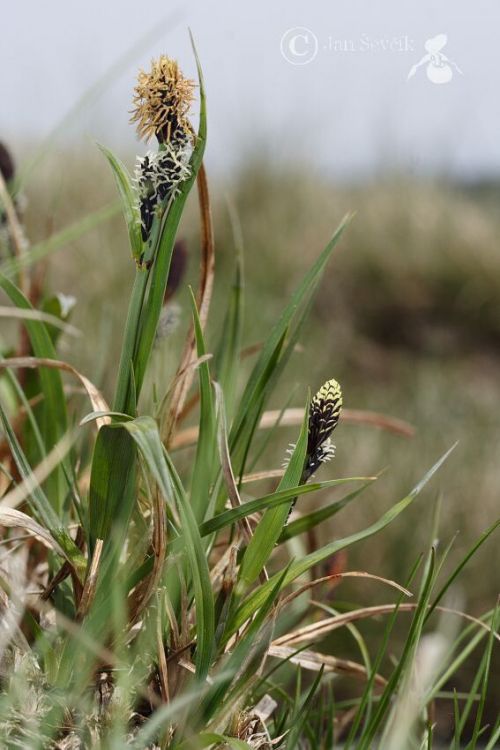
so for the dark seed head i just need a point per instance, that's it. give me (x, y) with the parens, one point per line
(324, 414)
(7, 167)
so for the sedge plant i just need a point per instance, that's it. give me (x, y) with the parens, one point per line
(149, 601)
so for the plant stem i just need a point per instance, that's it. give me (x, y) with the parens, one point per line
(123, 396)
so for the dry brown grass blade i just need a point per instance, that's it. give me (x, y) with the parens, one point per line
(194, 364)
(327, 625)
(16, 232)
(294, 417)
(53, 320)
(162, 663)
(95, 396)
(12, 518)
(90, 584)
(259, 476)
(10, 626)
(314, 661)
(65, 571)
(185, 373)
(22, 490)
(225, 565)
(142, 595)
(225, 459)
(347, 574)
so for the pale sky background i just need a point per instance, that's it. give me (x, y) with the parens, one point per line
(349, 112)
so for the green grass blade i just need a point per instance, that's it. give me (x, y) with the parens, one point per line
(40, 506)
(460, 567)
(54, 423)
(298, 719)
(364, 711)
(128, 201)
(112, 485)
(241, 444)
(271, 524)
(206, 447)
(486, 673)
(402, 672)
(228, 350)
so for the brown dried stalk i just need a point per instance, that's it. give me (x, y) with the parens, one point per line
(185, 373)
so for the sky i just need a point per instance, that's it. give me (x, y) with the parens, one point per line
(325, 82)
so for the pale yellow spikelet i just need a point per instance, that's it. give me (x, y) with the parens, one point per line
(162, 99)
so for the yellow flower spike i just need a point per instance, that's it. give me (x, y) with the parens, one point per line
(162, 101)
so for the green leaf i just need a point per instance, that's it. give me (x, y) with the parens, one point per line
(128, 200)
(228, 350)
(112, 485)
(206, 447)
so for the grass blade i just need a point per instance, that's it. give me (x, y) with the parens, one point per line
(271, 524)
(128, 200)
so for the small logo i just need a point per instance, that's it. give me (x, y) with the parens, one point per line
(299, 46)
(439, 67)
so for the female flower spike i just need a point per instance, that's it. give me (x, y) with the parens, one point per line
(158, 177)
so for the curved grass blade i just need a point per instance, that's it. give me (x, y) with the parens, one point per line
(128, 199)
(233, 515)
